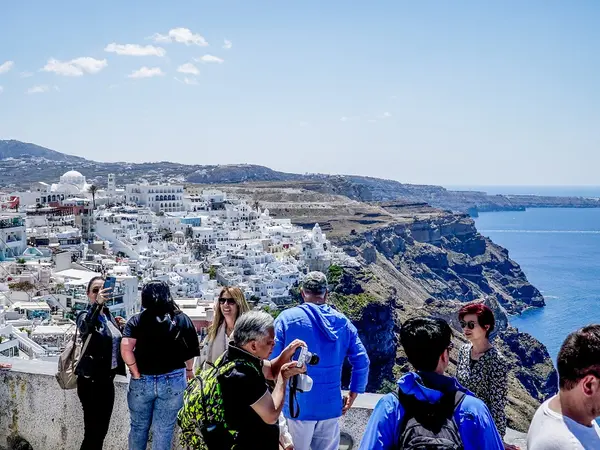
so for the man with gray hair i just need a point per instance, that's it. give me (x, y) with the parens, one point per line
(330, 335)
(250, 408)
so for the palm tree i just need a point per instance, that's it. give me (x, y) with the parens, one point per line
(92, 190)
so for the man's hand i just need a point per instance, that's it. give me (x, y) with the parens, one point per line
(349, 401)
(120, 321)
(288, 370)
(5, 366)
(510, 447)
(288, 353)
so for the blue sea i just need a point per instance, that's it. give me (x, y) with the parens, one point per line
(559, 251)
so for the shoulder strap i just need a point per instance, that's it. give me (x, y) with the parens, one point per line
(458, 398)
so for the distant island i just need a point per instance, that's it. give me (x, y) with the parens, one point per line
(22, 163)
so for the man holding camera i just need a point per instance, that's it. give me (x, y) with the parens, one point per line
(313, 415)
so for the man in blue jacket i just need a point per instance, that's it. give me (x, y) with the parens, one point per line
(330, 335)
(427, 343)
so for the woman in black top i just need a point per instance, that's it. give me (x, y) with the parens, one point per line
(159, 347)
(99, 365)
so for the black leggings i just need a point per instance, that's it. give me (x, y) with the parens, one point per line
(97, 398)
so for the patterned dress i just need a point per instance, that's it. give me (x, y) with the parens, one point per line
(487, 378)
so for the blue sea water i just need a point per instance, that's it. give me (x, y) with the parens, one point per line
(559, 251)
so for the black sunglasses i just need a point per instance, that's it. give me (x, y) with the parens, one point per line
(229, 301)
(470, 325)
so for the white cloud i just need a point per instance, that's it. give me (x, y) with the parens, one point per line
(26, 74)
(227, 44)
(135, 50)
(1, 89)
(393, 97)
(6, 66)
(191, 81)
(210, 59)
(146, 72)
(344, 119)
(385, 115)
(40, 89)
(181, 35)
(188, 68)
(75, 67)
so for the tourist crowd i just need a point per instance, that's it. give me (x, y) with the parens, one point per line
(259, 383)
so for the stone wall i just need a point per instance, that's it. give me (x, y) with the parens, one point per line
(33, 406)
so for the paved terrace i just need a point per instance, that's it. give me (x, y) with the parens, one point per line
(33, 406)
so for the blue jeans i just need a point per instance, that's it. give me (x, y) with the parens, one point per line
(154, 401)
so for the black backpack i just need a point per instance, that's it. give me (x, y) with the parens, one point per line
(427, 426)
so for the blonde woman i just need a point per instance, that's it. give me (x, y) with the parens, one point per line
(230, 305)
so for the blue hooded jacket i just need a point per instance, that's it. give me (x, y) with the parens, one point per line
(329, 334)
(475, 424)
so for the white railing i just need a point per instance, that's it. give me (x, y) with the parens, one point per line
(26, 345)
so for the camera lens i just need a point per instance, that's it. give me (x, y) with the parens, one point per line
(314, 359)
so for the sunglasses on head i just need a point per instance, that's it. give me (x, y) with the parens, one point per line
(470, 324)
(229, 301)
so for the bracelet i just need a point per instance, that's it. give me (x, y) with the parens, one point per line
(132, 364)
(189, 370)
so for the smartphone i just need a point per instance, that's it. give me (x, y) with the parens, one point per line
(110, 283)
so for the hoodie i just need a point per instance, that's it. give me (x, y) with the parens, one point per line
(330, 335)
(475, 424)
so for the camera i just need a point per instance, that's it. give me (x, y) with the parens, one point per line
(306, 357)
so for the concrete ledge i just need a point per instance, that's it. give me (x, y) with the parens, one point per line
(33, 406)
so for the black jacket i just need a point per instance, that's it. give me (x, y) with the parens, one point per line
(96, 362)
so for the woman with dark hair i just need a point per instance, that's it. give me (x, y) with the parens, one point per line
(159, 347)
(481, 368)
(98, 365)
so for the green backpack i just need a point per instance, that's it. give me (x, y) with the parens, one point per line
(202, 418)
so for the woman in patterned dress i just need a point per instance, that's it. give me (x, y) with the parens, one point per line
(481, 368)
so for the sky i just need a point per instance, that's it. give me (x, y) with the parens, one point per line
(437, 92)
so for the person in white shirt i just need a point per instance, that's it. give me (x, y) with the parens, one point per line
(567, 420)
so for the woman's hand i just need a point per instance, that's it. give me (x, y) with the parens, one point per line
(120, 321)
(103, 295)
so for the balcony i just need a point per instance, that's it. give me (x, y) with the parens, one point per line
(33, 406)
(12, 222)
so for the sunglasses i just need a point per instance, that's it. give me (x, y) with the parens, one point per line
(229, 301)
(470, 325)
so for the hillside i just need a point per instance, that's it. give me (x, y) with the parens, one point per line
(43, 164)
(418, 260)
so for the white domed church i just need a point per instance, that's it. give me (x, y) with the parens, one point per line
(72, 182)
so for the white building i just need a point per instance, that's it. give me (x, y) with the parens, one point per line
(165, 198)
(13, 238)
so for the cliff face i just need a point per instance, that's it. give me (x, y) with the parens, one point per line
(448, 259)
(432, 266)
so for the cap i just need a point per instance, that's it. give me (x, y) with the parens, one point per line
(315, 282)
